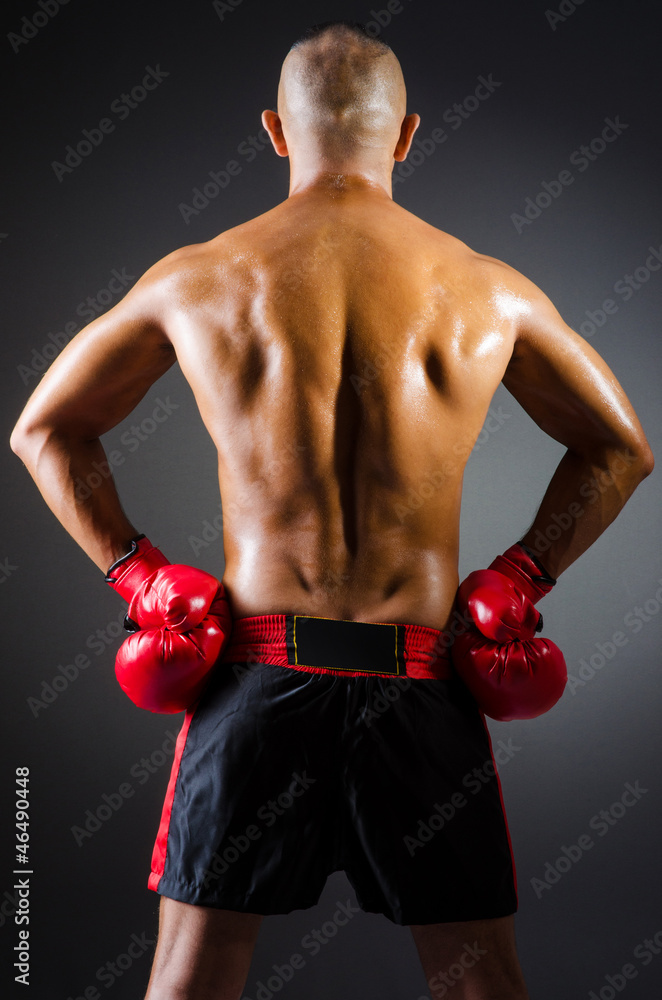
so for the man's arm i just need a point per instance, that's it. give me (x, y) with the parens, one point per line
(569, 391)
(96, 381)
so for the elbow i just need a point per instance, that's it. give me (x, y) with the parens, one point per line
(25, 440)
(640, 459)
(18, 440)
(627, 459)
(646, 461)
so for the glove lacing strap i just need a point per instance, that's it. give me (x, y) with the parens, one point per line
(128, 624)
(109, 578)
(544, 575)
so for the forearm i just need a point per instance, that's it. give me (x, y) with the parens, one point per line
(583, 498)
(75, 480)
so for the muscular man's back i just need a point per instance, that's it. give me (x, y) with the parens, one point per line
(343, 354)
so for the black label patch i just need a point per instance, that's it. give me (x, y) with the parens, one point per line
(345, 645)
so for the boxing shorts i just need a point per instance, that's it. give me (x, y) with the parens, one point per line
(322, 745)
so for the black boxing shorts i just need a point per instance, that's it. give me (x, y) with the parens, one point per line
(322, 745)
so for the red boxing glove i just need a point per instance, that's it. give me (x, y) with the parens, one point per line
(180, 620)
(523, 568)
(511, 674)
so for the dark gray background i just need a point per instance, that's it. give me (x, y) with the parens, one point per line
(119, 209)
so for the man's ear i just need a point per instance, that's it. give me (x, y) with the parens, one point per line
(273, 125)
(409, 125)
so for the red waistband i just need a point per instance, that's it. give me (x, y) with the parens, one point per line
(405, 650)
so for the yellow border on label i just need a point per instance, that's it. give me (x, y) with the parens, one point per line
(368, 670)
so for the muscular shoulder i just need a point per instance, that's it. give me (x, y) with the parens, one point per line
(489, 278)
(451, 250)
(179, 267)
(183, 276)
(504, 274)
(517, 297)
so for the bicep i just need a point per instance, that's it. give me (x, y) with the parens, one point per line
(102, 373)
(565, 386)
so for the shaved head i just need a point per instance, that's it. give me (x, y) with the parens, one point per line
(341, 89)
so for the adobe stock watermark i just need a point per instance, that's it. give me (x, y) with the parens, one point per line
(121, 107)
(565, 10)
(437, 479)
(112, 802)
(32, 25)
(131, 439)
(225, 7)
(88, 309)
(312, 943)
(8, 906)
(443, 813)
(268, 814)
(69, 672)
(291, 279)
(393, 691)
(211, 529)
(454, 116)
(591, 490)
(113, 969)
(601, 823)
(445, 979)
(645, 953)
(202, 196)
(582, 159)
(7, 568)
(250, 662)
(382, 700)
(380, 19)
(624, 288)
(607, 650)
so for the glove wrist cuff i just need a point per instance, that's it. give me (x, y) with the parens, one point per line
(545, 578)
(131, 570)
(523, 567)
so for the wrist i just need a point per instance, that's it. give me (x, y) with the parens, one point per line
(136, 566)
(543, 572)
(521, 565)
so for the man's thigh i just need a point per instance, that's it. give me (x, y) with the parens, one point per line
(472, 959)
(202, 953)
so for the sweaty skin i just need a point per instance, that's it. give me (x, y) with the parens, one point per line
(343, 354)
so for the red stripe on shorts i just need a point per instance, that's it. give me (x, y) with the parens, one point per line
(160, 845)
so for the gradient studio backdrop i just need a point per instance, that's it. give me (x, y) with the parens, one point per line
(71, 241)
